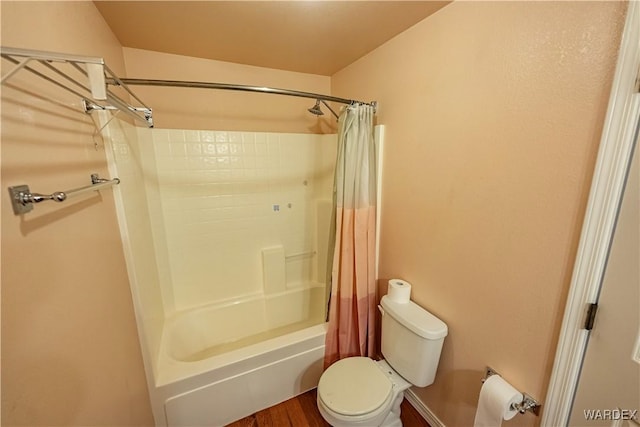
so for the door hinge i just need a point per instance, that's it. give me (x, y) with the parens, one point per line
(592, 308)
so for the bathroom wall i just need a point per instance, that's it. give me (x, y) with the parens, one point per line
(70, 351)
(187, 108)
(493, 115)
(238, 208)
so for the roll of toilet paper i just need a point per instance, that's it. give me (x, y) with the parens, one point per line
(495, 403)
(399, 291)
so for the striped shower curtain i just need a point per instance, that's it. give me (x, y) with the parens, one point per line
(352, 306)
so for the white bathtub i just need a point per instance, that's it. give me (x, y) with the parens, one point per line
(223, 362)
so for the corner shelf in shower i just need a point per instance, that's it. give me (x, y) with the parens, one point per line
(84, 76)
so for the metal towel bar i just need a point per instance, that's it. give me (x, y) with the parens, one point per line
(22, 199)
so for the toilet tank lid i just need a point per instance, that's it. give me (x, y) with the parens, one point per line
(415, 318)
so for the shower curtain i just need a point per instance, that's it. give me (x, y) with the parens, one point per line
(352, 306)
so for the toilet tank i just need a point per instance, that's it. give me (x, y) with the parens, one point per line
(411, 340)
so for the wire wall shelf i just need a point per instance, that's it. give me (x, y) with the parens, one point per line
(84, 76)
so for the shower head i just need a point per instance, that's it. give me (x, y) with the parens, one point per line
(318, 112)
(316, 109)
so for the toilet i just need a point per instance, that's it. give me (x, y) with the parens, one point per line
(358, 391)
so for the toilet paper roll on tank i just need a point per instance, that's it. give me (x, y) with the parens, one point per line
(399, 291)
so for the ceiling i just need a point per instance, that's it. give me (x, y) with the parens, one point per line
(317, 37)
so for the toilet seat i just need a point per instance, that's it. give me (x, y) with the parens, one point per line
(355, 388)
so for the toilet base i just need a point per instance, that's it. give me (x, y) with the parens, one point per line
(393, 418)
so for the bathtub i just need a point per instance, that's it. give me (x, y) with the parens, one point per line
(223, 362)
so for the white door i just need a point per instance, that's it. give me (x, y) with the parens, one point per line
(608, 391)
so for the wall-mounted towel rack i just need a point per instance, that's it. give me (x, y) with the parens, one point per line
(83, 76)
(22, 199)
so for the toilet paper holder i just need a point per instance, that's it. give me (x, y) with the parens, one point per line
(528, 403)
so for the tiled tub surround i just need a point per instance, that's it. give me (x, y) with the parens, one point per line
(226, 239)
(231, 199)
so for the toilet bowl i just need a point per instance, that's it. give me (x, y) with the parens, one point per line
(357, 391)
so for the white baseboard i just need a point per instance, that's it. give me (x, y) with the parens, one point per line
(422, 409)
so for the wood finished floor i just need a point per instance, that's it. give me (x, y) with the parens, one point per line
(301, 411)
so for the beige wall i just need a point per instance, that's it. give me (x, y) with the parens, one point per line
(493, 114)
(186, 108)
(70, 352)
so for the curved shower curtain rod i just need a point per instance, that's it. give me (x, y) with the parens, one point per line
(245, 88)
